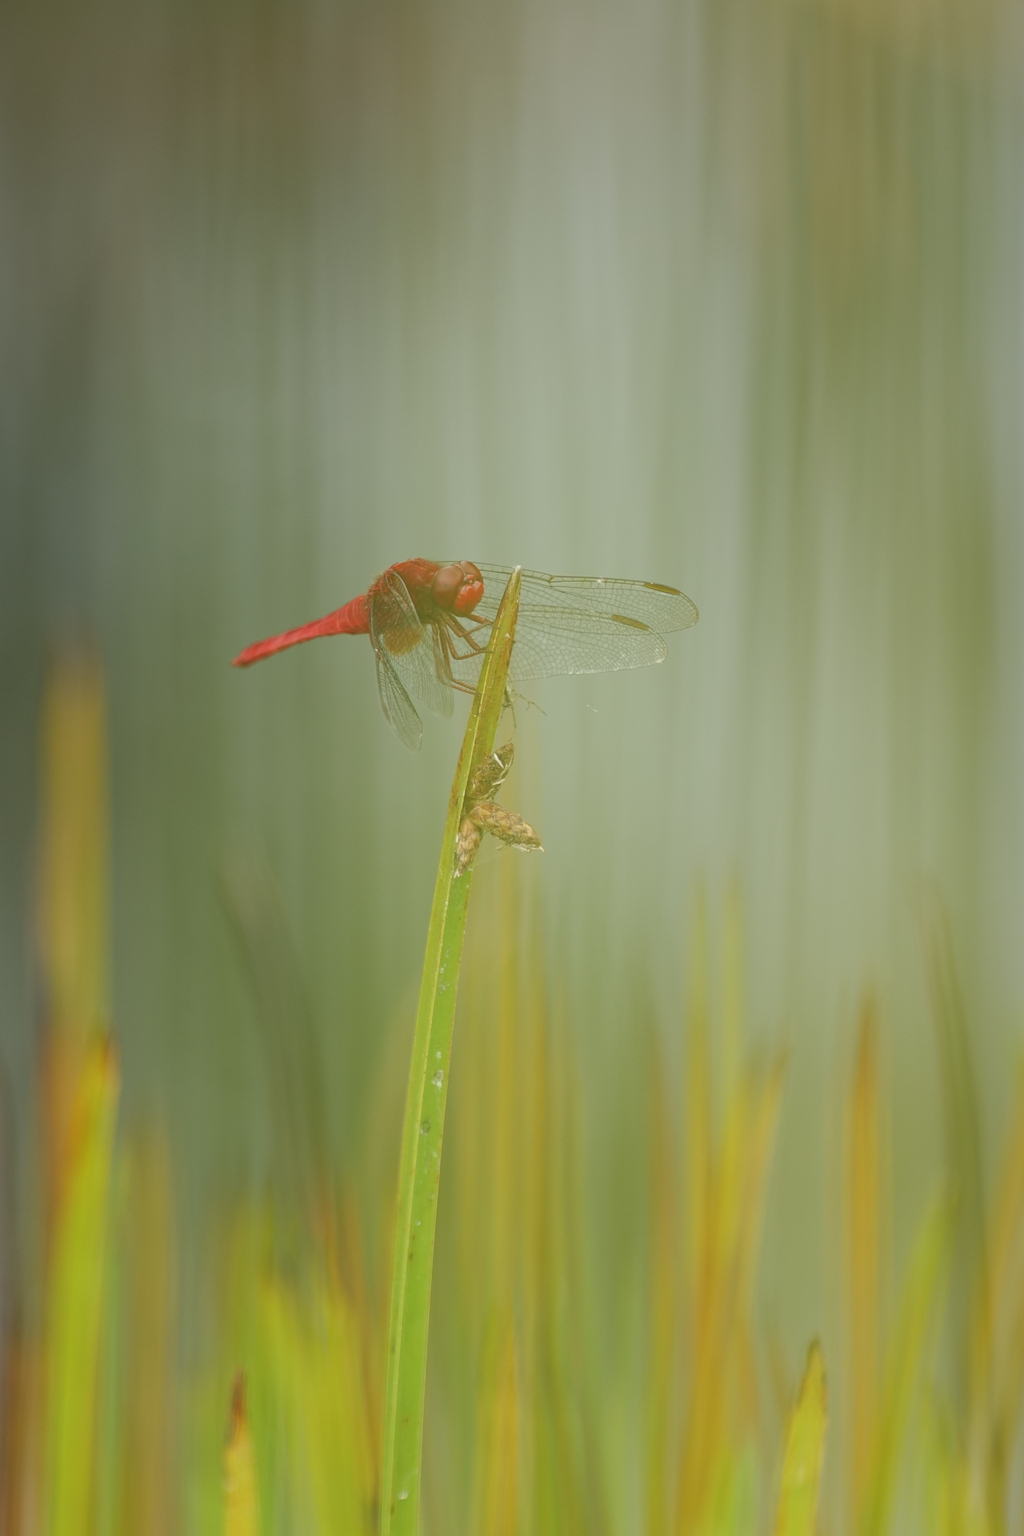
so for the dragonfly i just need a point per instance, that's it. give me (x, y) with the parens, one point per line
(429, 622)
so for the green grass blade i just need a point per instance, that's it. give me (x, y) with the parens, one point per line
(77, 1281)
(801, 1461)
(420, 1165)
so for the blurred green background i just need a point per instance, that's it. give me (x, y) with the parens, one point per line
(723, 294)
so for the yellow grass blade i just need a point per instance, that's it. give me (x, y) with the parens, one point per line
(73, 851)
(1008, 1210)
(800, 1478)
(77, 1273)
(148, 1495)
(663, 1305)
(72, 906)
(241, 1499)
(941, 1473)
(925, 1273)
(726, 1183)
(997, 1332)
(699, 1117)
(731, 1011)
(314, 1351)
(497, 1459)
(758, 1102)
(968, 1270)
(536, 1143)
(861, 1267)
(1006, 1242)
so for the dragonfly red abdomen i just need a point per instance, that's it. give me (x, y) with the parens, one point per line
(352, 619)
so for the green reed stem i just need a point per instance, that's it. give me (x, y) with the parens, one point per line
(420, 1166)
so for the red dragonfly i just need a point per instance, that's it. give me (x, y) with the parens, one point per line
(429, 622)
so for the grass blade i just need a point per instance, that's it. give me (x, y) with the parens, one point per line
(241, 1502)
(148, 1492)
(497, 1460)
(904, 1367)
(801, 1460)
(863, 1267)
(75, 1302)
(968, 1277)
(420, 1164)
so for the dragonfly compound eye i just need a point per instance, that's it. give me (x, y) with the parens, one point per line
(458, 588)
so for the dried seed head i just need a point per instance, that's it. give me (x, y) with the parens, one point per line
(486, 776)
(466, 844)
(483, 814)
(502, 823)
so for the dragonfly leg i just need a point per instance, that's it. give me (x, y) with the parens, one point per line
(465, 634)
(475, 649)
(450, 653)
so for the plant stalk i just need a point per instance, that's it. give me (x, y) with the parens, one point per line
(420, 1164)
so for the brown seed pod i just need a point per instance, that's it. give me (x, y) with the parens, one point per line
(483, 814)
(502, 823)
(487, 775)
(466, 845)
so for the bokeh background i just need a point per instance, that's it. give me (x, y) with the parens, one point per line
(724, 295)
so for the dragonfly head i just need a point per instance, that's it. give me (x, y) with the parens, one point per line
(457, 588)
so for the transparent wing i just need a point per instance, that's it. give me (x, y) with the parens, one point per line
(567, 641)
(662, 608)
(398, 708)
(407, 645)
(573, 624)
